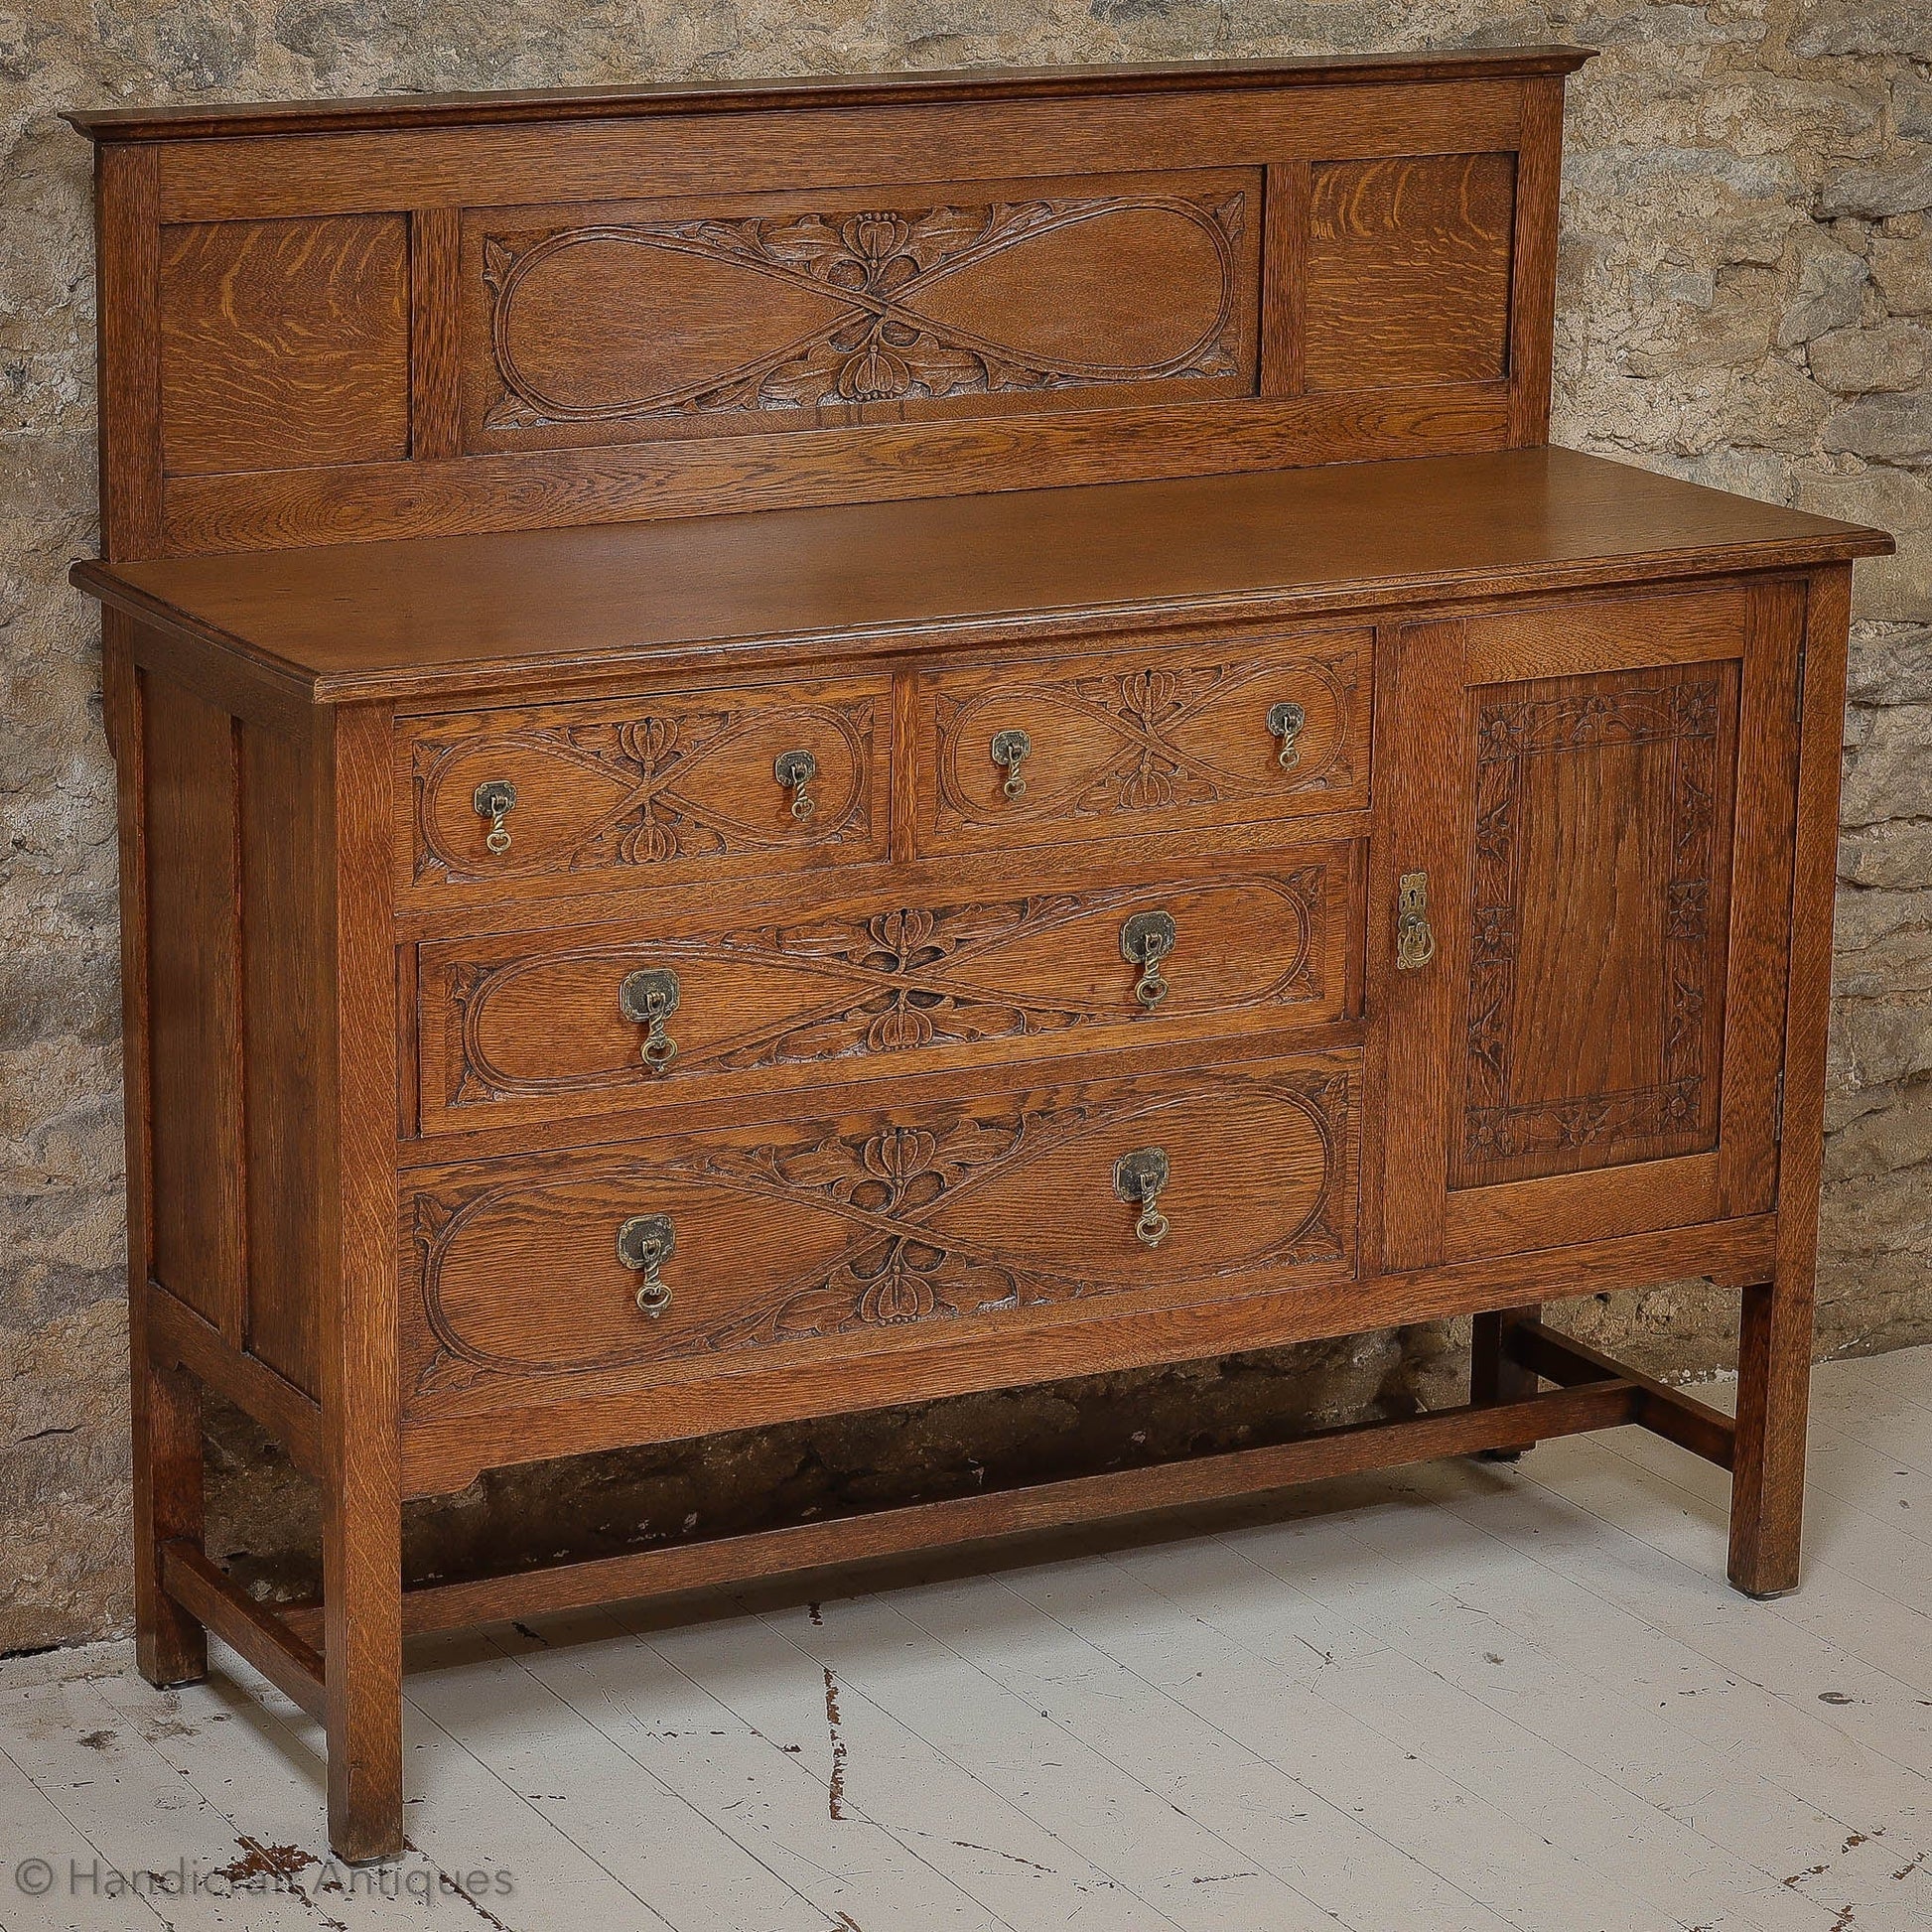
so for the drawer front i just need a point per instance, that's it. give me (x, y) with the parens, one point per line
(837, 1236)
(668, 785)
(539, 1027)
(1169, 738)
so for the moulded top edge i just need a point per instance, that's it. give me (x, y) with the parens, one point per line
(404, 111)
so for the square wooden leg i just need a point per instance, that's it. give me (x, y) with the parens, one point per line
(170, 1646)
(1767, 1490)
(362, 1588)
(1494, 1376)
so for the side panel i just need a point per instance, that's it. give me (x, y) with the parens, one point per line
(233, 951)
(194, 1015)
(280, 961)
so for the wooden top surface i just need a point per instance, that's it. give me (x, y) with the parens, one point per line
(205, 122)
(453, 614)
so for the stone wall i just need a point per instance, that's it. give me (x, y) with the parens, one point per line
(1745, 299)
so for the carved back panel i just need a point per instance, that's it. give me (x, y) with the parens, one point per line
(414, 316)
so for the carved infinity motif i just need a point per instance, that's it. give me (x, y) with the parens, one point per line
(870, 270)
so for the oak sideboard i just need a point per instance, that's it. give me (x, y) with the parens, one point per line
(792, 748)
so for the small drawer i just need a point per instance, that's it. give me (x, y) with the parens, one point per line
(1172, 737)
(868, 1227)
(717, 782)
(539, 1027)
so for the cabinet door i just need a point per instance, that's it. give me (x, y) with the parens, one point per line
(1596, 800)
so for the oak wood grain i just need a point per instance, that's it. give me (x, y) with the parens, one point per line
(1533, 1349)
(393, 619)
(785, 145)
(722, 315)
(288, 1661)
(279, 946)
(1408, 277)
(386, 1115)
(1285, 281)
(192, 841)
(1533, 266)
(127, 266)
(283, 343)
(436, 344)
(866, 463)
(1594, 925)
(177, 1336)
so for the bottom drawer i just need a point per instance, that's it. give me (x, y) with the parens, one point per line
(871, 1228)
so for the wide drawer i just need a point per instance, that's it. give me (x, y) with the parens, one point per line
(536, 1027)
(668, 785)
(868, 1228)
(1169, 737)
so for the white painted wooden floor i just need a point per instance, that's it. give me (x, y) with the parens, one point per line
(1467, 1696)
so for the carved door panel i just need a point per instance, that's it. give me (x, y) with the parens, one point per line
(1588, 812)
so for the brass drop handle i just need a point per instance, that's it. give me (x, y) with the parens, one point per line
(796, 770)
(1415, 940)
(646, 1243)
(648, 996)
(1284, 720)
(1008, 749)
(1145, 940)
(1138, 1178)
(495, 798)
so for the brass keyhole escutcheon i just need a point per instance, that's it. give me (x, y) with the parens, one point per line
(1138, 1178)
(1145, 940)
(648, 996)
(1284, 720)
(796, 770)
(646, 1243)
(1414, 938)
(495, 798)
(1009, 747)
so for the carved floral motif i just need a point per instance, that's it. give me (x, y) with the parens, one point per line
(657, 785)
(1149, 763)
(908, 1254)
(1683, 715)
(889, 982)
(868, 273)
